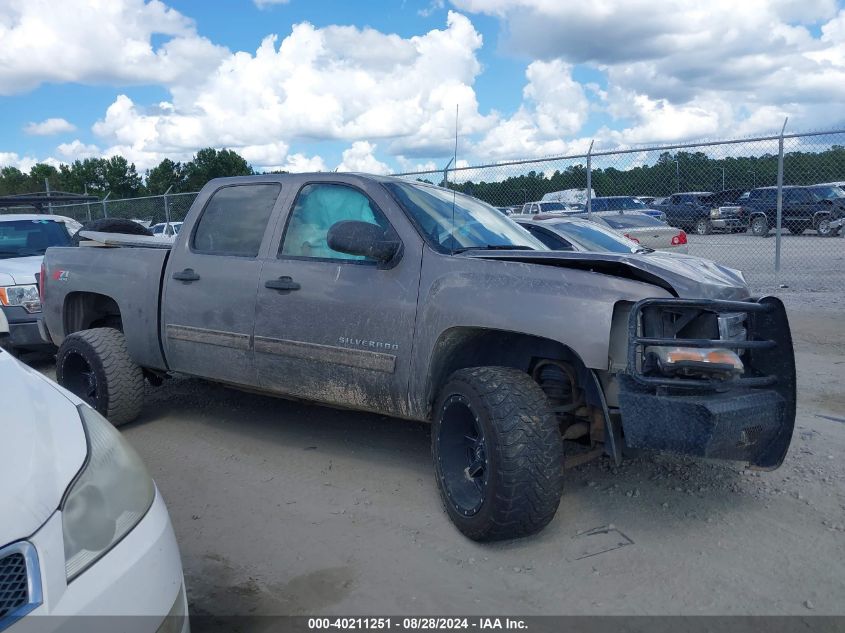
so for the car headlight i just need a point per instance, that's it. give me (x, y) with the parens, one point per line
(109, 497)
(25, 296)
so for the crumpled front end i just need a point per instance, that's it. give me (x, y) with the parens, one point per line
(710, 378)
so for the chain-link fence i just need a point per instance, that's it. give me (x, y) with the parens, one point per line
(148, 210)
(723, 195)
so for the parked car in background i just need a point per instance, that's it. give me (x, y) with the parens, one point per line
(23, 240)
(802, 208)
(579, 235)
(646, 200)
(166, 230)
(84, 530)
(625, 203)
(693, 211)
(545, 206)
(642, 229)
(571, 197)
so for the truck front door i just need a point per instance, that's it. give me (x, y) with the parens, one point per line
(333, 327)
(210, 284)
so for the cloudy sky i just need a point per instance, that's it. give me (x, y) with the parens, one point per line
(373, 86)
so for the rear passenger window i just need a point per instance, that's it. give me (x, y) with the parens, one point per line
(234, 220)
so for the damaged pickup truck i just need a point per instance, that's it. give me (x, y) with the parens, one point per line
(410, 300)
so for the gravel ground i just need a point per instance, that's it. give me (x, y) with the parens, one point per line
(289, 508)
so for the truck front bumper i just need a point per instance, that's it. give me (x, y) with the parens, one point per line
(749, 418)
(728, 223)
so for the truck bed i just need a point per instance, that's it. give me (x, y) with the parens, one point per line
(125, 269)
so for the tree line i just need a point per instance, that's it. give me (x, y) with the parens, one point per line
(116, 175)
(681, 171)
(670, 173)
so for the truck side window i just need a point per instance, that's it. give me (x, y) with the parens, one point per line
(318, 207)
(234, 220)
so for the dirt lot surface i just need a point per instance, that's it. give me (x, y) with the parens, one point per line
(288, 508)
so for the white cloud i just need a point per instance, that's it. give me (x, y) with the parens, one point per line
(48, 127)
(99, 42)
(337, 82)
(681, 69)
(263, 4)
(360, 158)
(76, 149)
(12, 159)
(297, 163)
(554, 106)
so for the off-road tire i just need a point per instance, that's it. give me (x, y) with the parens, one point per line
(119, 381)
(760, 226)
(703, 227)
(524, 449)
(120, 226)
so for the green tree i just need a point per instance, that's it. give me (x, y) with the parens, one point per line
(13, 180)
(41, 172)
(165, 175)
(210, 163)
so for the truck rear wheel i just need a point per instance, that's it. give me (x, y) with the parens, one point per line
(760, 226)
(498, 453)
(96, 366)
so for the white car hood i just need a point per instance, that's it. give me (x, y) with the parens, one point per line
(21, 269)
(44, 446)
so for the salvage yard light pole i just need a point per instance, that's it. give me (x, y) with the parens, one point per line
(677, 175)
(590, 181)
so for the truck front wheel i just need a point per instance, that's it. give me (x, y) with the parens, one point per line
(498, 453)
(96, 366)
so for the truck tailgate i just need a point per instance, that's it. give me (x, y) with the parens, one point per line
(130, 277)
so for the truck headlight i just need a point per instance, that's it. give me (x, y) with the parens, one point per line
(109, 497)
(714, 213)
(697, 360)
(25, 296)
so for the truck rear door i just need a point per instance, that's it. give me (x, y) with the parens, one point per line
(329, 326)
(211, 280)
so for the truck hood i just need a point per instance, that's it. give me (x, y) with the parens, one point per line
(21, 270)
(45, 448)
(683, 275)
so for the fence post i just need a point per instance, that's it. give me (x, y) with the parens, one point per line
(87, 204)
(105, 210)
(590, 180)
(167, 205)
(780, 203)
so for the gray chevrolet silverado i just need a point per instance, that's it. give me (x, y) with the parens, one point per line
(410, 300)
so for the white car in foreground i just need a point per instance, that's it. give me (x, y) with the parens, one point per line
(83, 528)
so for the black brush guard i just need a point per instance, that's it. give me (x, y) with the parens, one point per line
(747, 418)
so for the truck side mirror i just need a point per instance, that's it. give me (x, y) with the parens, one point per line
(363, 239)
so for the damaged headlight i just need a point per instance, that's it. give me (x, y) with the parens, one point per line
(109, 497)
(732, 326)
(689, 361)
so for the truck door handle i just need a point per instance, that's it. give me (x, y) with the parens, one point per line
(186, 275)
(283, 284)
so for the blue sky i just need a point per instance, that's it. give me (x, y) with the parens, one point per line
(373, 85)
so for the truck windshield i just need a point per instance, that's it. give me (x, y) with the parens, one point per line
(827, 193)
(24, 238)
(456, 222)
(548, 207)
